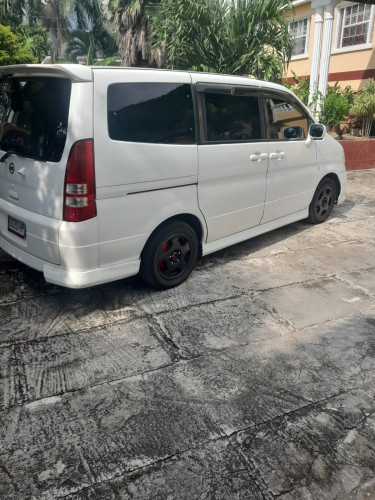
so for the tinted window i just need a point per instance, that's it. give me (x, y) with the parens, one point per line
(34, 116)
(151, 112)
(232, 117)
(287, 120)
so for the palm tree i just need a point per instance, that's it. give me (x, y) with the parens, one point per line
(54, 15)
(12, 12)
(57, 17)
(78, 44)
(96, 42)
(227, 36)
(130, 20)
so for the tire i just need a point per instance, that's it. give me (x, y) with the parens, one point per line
(323, 202)
(169, 256)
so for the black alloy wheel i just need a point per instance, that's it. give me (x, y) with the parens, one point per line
(323, 202)
(169, 256)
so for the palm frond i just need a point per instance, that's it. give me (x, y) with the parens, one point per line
(241, 36)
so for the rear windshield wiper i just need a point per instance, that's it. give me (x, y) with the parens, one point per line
(10, 152)
(4, 146)
(7, 154)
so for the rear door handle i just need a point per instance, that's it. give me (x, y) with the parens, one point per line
(277, 156)
(258, 157)
(13, 194)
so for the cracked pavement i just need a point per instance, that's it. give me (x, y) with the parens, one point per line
(252, 380)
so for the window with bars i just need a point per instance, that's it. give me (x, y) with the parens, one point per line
(354, 25)
(299, 32)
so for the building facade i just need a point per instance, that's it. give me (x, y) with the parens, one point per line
(332, 41)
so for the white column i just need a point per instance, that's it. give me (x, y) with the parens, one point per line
(326, 49)
(314, 73)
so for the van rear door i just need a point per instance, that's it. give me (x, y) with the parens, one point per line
(34, 147)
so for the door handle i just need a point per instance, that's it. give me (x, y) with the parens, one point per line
(258, 157)
(277, 156)
(12, 194)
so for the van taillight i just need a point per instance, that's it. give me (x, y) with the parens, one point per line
(79, 187)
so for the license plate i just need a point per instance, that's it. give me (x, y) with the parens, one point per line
(17, 227)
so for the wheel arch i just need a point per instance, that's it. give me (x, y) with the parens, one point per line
(334, 177)
(190, 219)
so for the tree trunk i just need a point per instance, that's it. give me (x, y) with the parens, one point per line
(368, 126)
(53, 45)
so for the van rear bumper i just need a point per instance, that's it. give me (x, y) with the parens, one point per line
(42, 240)
(71, 279)
(84, 279)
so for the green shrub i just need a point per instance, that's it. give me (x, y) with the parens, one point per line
(13, 49)
(106, 62)
(335, 107)
(35, 38)
(363, 107)
(300, 86)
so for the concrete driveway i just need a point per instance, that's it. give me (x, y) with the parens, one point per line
(252, 380)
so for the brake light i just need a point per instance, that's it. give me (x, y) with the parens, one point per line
(79, 187)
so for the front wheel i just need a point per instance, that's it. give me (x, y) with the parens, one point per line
(323, 201)
(169, 256)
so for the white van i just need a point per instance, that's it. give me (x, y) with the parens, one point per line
(110, 172)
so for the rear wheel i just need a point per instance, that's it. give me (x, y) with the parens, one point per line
(169, 256)
(323, 202)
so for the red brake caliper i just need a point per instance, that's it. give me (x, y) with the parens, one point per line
(162, 264)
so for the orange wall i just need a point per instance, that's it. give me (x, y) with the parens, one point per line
(302, 66)
(345, 62)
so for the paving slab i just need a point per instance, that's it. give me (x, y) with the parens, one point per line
(212, 471)
(70, 362)
(62, 444)
(318, 301)
(359, 230)
(360, 185)
(364, 280)
(12, 380)
(327, 451)
(219, 325)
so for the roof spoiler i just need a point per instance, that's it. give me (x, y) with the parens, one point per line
(75, 72)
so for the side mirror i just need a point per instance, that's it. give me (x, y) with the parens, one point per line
(317, 131)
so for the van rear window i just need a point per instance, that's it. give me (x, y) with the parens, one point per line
(151, 112)
(34, 116)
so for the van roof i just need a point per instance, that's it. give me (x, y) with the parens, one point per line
(80, 73)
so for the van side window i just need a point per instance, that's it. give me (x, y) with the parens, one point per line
(232, 117)
(151, 112)
(287, 120)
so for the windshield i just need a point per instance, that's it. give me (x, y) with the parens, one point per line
(34, 116)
